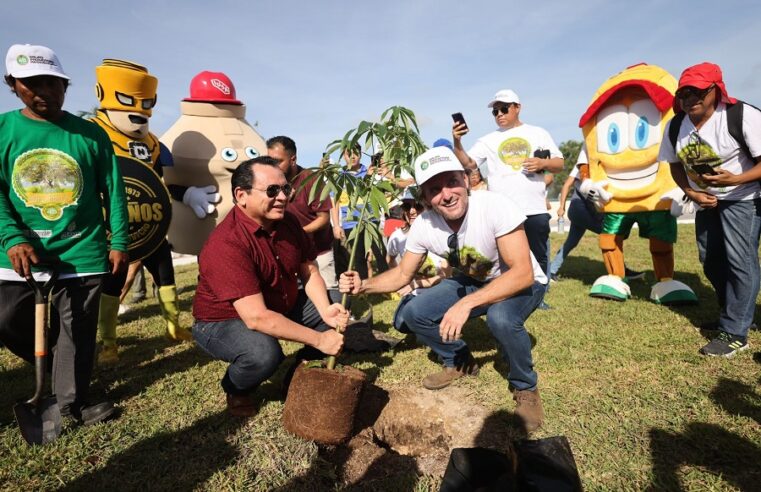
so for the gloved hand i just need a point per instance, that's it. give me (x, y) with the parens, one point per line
(201, 200)
(680, 202)
(595, 192)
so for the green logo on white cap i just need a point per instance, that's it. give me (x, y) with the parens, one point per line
(22, 60)
(424, 165)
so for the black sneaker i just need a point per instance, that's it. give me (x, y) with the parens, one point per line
(724, 345)
(630, 274)
(90, 414)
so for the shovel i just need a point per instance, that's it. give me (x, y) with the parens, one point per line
(40, 418)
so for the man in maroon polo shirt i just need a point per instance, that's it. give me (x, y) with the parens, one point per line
(248, 294)
(313, 216)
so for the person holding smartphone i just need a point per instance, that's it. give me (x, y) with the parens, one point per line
(513, 159)
(729, 220)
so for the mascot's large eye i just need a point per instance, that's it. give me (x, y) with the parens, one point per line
(228, 154)
(251, 153)
(644, 125)
(612, 129)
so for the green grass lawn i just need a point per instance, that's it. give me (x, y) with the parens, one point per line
(623, 381)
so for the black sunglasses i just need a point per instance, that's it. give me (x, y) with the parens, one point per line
(454, 251)
(501, 110)
(407, 206)
(274, 190)
(689, 92)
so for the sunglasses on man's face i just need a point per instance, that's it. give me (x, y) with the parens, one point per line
(500, 110)
(689, 92)
(273, 191)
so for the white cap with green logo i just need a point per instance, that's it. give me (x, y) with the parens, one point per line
(26, 60)
(435, 161)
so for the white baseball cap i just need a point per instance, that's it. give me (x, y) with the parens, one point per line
(27, 60)
(435, 161)
(506, 96)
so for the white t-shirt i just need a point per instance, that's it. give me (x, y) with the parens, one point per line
(489, 216)
(714, 145)
(397, 245)
(396, 242)
(500, 156)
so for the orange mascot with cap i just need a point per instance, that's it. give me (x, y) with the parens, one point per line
(127, 95)
(209, 140)
(623, 128)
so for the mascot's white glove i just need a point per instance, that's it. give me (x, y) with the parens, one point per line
(201, 200)
(680, 203)
(595, 192)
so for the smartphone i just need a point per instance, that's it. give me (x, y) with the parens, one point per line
(704, 169)
(458, 118)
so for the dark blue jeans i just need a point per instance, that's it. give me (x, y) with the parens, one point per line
(583, 218)
(422, 314)
(728, 237)
(537, 228)
(253, 356)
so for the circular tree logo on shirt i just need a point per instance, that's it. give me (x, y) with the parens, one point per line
(22, 60)
(514, 152)
(48, 180)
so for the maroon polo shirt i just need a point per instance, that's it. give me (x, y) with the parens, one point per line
(241, 259)
(306, 212)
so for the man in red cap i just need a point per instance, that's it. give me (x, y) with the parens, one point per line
(720, 176)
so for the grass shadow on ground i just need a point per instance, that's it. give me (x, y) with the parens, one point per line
(133, 353)
(17, 385)
(707, 446)
(710, 446)
(169, 460)
(737, 398)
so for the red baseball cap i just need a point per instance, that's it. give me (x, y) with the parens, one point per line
(702, 76)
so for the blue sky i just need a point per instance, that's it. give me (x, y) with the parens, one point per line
(313, 69)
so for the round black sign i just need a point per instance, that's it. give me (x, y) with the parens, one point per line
(149, 207)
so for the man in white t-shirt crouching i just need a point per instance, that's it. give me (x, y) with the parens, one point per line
(494, 273)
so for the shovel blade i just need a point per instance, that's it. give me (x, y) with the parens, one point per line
(40, 423)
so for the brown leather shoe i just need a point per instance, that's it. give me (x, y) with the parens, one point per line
(241, 405)
(528, 406)
(444, 378)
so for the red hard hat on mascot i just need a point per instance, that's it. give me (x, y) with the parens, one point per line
(213, 87)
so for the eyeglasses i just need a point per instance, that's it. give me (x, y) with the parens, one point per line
(454, 251)
(407, 206)
(501, 110)
(688, 92)
(274, 190)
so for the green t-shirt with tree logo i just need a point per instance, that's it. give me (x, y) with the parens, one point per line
(55, 180)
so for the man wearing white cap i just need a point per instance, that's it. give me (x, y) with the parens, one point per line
(513, 160)
(54, 169)
(494, 274)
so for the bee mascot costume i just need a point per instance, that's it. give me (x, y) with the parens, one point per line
(127, 95)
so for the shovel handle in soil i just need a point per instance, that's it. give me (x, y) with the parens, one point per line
(41, 295)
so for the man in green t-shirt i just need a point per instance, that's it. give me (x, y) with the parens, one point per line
(57, 174)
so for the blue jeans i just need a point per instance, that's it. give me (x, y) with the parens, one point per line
(537, 228)
(422, 314)
(727, 237)
(583, 218)
(253, 356)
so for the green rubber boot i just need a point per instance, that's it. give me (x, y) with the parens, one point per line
(170, 311)
(107, 319)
